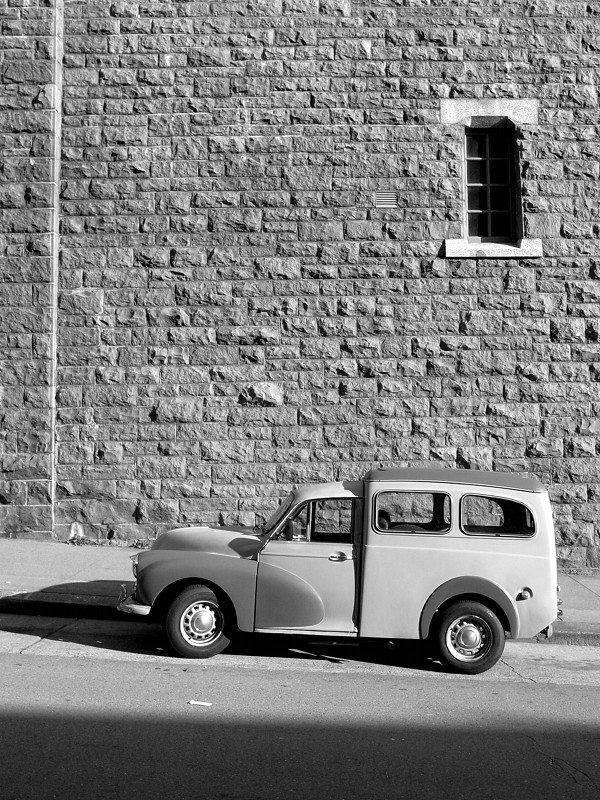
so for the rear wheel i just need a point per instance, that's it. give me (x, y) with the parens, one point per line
(195, 624)
(469, 637)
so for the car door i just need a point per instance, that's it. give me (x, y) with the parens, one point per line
(307, 574)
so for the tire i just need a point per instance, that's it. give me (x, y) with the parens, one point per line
(469, 637)
(195, 625)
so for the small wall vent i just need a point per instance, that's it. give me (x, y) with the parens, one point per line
(386, 199)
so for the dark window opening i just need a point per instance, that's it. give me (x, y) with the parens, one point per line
(491, 184)
(413, 512)
(495, 516)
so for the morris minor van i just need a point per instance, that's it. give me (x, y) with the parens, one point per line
(460, 558)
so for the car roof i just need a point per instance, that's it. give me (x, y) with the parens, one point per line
(335, 490)
(472, 477)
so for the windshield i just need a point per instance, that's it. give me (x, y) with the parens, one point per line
(277, 516)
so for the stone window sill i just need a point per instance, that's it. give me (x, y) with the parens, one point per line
(463, 248)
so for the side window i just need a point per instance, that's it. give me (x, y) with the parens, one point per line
(321, 521)
(413, 512)
(495, 516)
(333, 521)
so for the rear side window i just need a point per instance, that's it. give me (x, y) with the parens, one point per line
(495, 516)
(412, 512)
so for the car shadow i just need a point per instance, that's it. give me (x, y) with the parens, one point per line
(403, 653)
(74, 599)
(59, 613)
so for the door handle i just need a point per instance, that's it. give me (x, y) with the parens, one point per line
(339, 556)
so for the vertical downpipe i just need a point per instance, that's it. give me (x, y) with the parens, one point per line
(57, 80)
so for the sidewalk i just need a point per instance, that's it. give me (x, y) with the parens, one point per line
(56, 579)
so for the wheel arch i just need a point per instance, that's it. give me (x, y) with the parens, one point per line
(170, 592)
(478, 590)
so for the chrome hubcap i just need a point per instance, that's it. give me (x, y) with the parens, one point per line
(469, 638)
(200, 623)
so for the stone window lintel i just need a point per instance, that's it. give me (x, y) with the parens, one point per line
(461, 111)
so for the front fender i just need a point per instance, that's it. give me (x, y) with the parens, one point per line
(157, 570)
(470, 585)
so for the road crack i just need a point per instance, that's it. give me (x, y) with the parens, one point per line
(516, 672)
(577, 775)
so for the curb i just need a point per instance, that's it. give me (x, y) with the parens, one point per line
(53, 604)
(43, 608)
(98, 608)
(573, 638)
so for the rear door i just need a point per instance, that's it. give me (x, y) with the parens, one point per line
(307, 574)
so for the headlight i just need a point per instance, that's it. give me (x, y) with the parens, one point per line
(134, 564)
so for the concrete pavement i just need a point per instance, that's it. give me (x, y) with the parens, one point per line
(57, 579)
(60, 578)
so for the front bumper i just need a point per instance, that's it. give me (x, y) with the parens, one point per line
(129, 605)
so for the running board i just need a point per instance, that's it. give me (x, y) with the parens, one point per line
(307, 632)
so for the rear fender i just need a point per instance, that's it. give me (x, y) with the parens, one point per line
(472, 587)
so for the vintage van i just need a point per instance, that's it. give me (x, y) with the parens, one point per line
(460, 558)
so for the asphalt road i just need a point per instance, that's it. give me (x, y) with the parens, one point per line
(96, 710)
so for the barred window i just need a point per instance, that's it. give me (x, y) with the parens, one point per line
(491, 184)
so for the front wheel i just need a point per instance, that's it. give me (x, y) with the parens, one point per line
(470, 638)
(195, 624)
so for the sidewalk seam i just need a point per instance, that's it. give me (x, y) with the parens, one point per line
(46, 636)
(583, 586)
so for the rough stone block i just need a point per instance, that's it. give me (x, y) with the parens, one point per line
(178, 410)
(82, 301)
(20, 521)
(370, 230)
(262, 394)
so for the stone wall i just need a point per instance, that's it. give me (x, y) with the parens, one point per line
(236, 315)
(30, 46)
